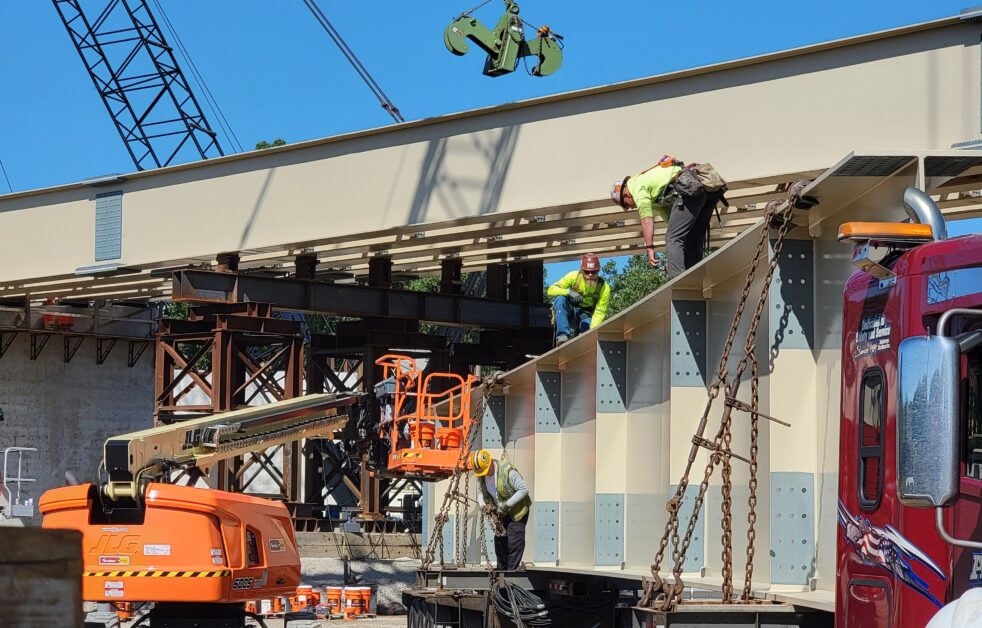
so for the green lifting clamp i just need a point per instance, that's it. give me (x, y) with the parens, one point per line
(506, 44)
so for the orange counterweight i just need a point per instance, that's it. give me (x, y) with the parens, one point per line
(184, 545)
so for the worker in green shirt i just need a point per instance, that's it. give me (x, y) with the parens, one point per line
(687, 215)
(580, 299)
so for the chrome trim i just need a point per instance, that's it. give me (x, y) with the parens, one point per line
(922, 209)
(939, 522)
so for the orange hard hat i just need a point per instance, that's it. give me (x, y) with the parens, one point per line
(590, 263)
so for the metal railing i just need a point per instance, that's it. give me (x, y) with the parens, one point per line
(14, 507)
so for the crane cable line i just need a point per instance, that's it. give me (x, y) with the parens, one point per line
(349, 54)
(199, 79)
(5, 178)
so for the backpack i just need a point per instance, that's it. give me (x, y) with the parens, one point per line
(709, 178)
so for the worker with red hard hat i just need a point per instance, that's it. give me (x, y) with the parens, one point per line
(684, 203)
(580, 299)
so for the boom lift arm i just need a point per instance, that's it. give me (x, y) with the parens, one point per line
(134, 459)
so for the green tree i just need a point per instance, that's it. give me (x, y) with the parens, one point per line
(264, 144)
(632, 283)
(431, 283)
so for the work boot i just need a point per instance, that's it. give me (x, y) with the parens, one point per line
(561, 338)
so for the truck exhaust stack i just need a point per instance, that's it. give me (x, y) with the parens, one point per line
(922, 209)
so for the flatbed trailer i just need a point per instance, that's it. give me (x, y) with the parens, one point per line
(459, 598)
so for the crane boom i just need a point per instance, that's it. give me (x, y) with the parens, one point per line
(134, 69)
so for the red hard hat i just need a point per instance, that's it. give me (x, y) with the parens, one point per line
(590, 262)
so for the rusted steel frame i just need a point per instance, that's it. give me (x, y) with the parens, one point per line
(268, 383)
(291, 471)
(187, 368)
(191, 386)
(315, 296)
(260, 368)
(266, 463)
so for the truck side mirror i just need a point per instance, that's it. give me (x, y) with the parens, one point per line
(927, 421)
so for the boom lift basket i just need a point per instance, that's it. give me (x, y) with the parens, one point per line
(427, 417)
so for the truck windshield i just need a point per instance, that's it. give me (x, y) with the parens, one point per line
(973, 422)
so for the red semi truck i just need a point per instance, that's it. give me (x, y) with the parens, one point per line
(910, 477)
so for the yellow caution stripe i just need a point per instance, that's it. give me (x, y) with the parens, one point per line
(157, 574)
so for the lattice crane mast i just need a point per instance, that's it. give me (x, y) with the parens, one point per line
(136, 74)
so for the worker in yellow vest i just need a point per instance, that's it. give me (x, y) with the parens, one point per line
(579, 299)
(684, 205)
(503, 492)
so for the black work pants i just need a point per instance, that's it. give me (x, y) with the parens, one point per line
(509, 548)
(686, 235)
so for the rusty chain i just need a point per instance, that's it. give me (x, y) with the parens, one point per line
(658, 589)
(453, 496)
(752, 481)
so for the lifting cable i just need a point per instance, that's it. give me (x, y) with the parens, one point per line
(199, 79)
(349, 54)
(5, 178)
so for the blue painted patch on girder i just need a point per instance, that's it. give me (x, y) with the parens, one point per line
(688, 352)
(493, 423)
(608, 545)
(792, 527)
(547, 401)
(611, 376)
(792, 297)
(545, 532)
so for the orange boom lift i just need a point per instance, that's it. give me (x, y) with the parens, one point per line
(428, 417)
(199, 554)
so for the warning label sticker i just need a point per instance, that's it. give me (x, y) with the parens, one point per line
(113, 593)
(215, 551)
(114, 560)
(277, 545)
(113, 584)
(156, 550)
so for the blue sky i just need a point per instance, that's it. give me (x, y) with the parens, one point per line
(276, 74)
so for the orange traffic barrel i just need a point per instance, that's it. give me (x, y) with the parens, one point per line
(251, 607)
(332, 597)
(449, 437)
(277, 605)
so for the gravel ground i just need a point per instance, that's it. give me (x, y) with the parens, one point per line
(397, 621)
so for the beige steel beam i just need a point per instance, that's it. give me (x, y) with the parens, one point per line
(790, 112)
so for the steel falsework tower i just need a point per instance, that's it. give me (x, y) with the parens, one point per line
(136, 74)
